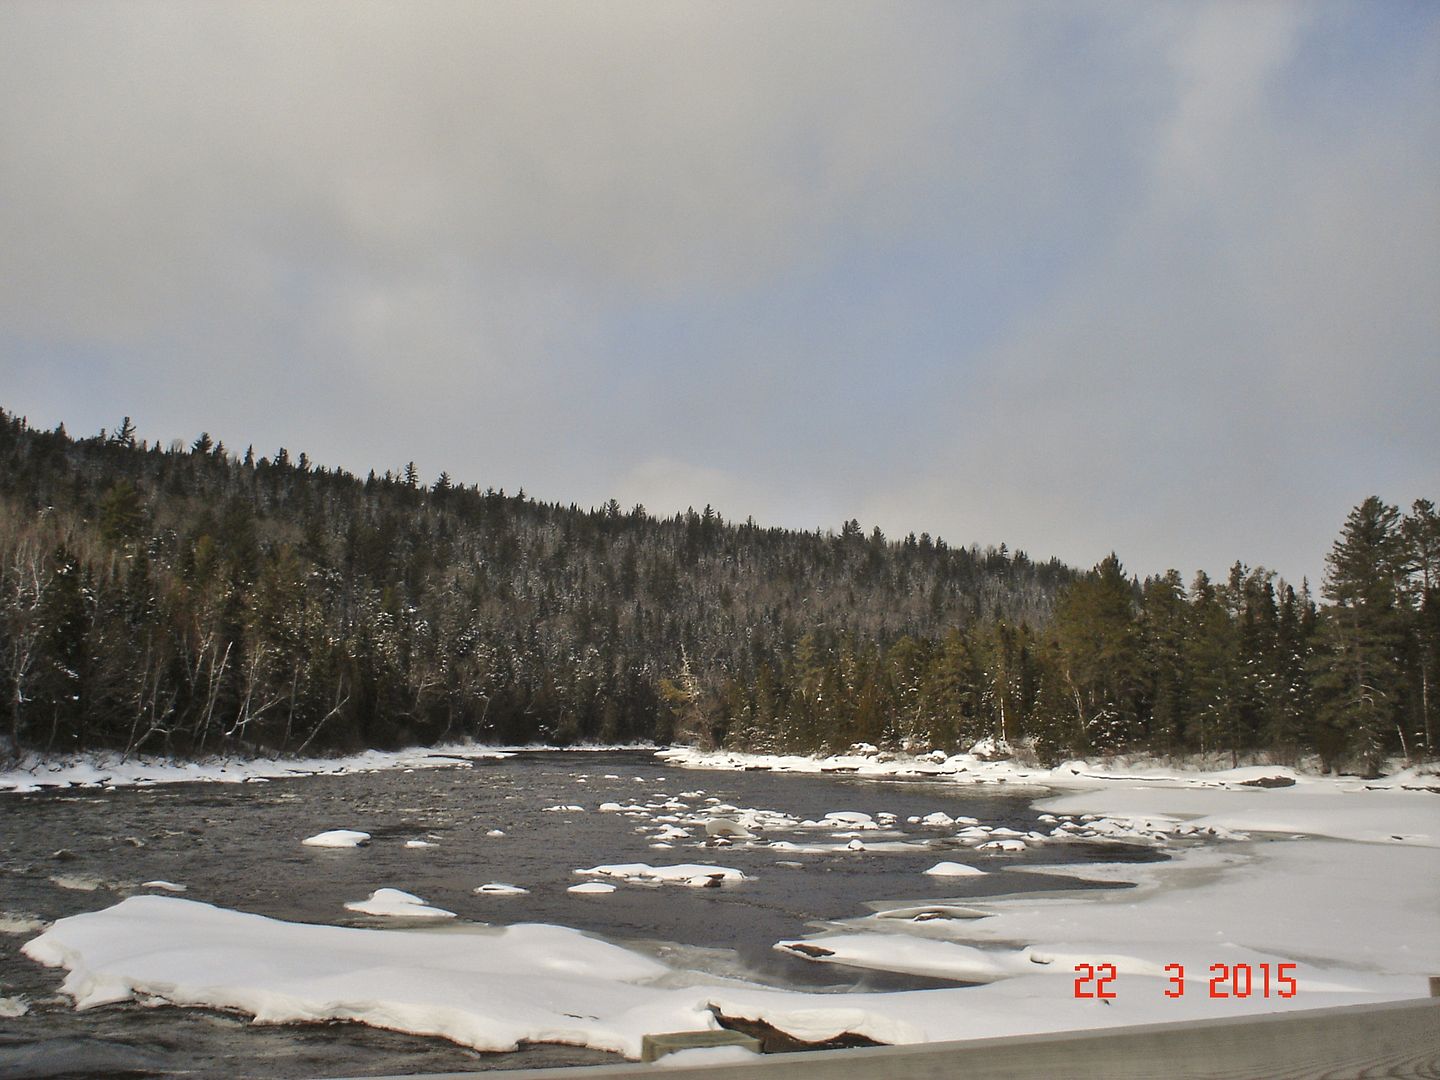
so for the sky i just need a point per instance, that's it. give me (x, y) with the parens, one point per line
(1156, 278)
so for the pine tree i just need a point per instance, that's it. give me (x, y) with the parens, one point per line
(122, 515)
(1164, 621)
(124, 434)
(1359, 683)
(1212, 649)
(1095, 626)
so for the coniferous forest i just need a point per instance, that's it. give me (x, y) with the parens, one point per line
(191, 599)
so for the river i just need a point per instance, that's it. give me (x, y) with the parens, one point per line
(239, 846)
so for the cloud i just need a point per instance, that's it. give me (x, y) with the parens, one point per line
(1248, 356)
(1077, 278)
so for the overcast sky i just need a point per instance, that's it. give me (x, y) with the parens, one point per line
(1162, 278)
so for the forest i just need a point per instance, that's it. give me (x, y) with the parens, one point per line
(190, 600)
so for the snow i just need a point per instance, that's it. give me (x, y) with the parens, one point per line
(695, 875)
(500, 888)
(164, 886)
(491, 989)
(485, 988)
(953, 869)
(337, 838)
(109, 770)
(706, 1055)
(592, 888)
(394, 903)
(911, 955)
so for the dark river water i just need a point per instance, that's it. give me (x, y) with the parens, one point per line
(238, 846)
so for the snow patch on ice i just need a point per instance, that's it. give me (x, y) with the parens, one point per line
(394, 903)
(953, 869)
(695, 875)
(337, 838)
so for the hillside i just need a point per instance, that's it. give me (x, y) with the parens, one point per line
(190, 599)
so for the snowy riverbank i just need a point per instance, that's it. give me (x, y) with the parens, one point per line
(1301, 892)
(35, 772)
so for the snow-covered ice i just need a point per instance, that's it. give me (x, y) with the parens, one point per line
(395, 903)
(953, 869)
(337, 838)
(693, 874)
(492, 989)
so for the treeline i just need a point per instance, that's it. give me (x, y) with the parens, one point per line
(1237, 669)
(190, 600)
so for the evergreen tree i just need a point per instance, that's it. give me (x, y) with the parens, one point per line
(1099, 653)
(1359, 683)
(1420, 534)
(122, 515)
(1164, 625)
(124, 434)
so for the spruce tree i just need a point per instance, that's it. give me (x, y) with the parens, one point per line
(1359, 682)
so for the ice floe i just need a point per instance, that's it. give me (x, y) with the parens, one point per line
(695, 875)
(592, 888)
(17, 922)
(337, 838)
(953, 869)
(395, 903)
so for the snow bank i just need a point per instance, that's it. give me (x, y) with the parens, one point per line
(36, 773)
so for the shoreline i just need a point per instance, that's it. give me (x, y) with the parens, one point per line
(107, 770)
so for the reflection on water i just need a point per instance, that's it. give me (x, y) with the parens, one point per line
(238, 846)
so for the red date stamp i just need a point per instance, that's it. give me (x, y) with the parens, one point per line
(1226, 981)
